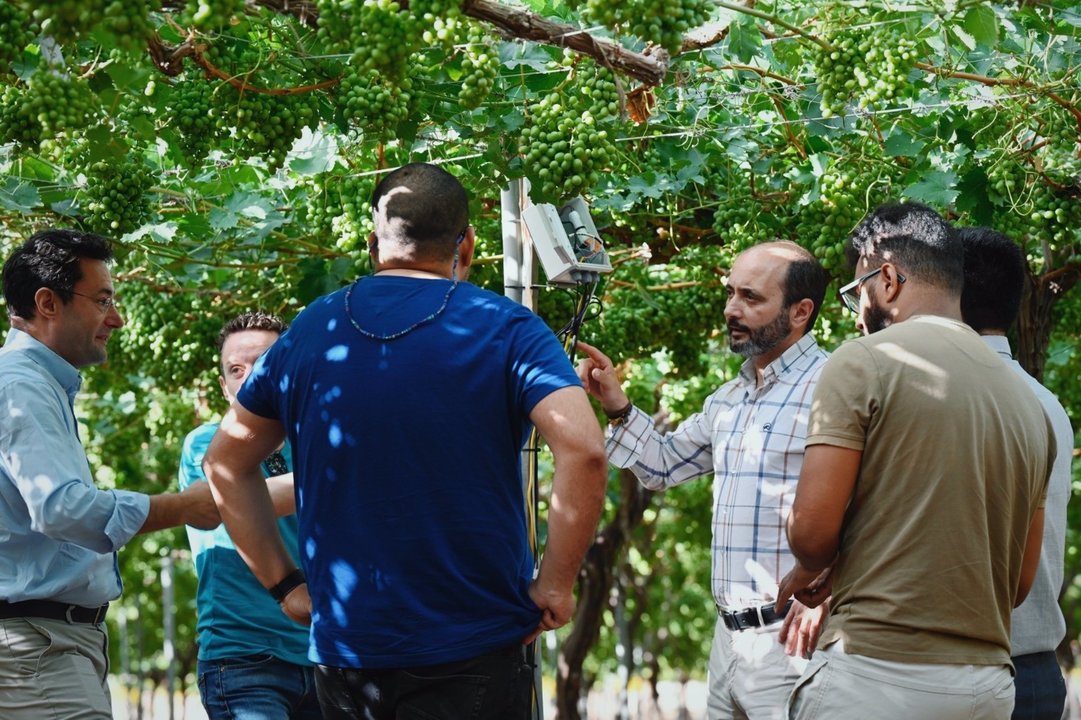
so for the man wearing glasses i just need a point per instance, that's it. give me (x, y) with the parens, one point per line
(59, 534)
(921, 493)
(750, 436)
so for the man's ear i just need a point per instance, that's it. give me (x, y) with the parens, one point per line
(891, 282)
(800, 314)
(224, 389)
(466, 248)
(47, 303)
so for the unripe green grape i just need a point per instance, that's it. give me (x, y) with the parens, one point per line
(115, 200)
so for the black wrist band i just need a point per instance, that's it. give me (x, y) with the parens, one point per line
(288, 584)
(621, 413)
(620, 417)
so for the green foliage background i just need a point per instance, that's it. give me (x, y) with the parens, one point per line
(230, 149)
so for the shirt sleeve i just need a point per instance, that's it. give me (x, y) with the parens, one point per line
(845, 399)
(539, 365)
(257, 394)
(192, 454)
(48, 467)
(661, 461)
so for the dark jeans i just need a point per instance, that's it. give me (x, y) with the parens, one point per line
(496, 686)
(257, 687)
(1041, 691)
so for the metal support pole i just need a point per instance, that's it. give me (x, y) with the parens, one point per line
(169, 618)
(510, 210)
(519, 273)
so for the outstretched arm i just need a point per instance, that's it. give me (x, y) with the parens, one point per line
(599, 378)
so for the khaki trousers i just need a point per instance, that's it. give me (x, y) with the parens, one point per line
(837, 686)
(50, 670)
(750, 676)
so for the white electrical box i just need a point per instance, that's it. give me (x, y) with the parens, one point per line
(567, 242)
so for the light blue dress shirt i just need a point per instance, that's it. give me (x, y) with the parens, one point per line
(58, 533)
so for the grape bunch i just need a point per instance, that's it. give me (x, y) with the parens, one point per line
(440, 21)
(566, 140)
(383, 34)
(61, 103)
(1030, 209)
(193, 98)
(679, 318)
(339, 209)
(661, 22)
(480, 67)
(264, 125)
(862, 65)
(17, 123)
(115, 199)
(379, 33)
(169, 333)
(51, 107)
(737, 219)
(261, 123)
(845, 196)
(15, 35)
(127, 21)
(1061, 154)
(373, 103)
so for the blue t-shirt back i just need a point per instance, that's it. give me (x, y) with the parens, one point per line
(407, 464)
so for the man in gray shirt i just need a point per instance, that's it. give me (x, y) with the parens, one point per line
(994, 282)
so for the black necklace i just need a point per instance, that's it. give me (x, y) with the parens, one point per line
(400, 333)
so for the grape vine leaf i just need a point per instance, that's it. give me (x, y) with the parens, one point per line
(313, 153)
(744, 39)
(19, 196)
(901, 144)
(982, 25)
(938, 188)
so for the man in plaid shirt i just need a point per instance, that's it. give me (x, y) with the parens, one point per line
(750, 436)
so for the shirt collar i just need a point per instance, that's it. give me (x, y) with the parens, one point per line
(60, 369)
(1000, 344)
(802, 347)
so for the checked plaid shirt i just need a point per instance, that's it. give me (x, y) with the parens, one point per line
(751, 439)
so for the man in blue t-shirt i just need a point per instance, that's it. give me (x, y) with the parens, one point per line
(407, 398)
(253, 660)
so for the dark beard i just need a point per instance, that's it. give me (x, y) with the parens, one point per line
(875, 318)
(761, 340)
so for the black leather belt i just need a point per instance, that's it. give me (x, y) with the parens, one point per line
(752, 617)
(53, 611)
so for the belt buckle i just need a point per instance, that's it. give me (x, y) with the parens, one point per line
(758, 611)
(732, 620)
(67, 614)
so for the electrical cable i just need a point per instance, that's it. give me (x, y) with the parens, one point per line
(568, 335)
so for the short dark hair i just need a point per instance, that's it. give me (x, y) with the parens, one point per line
(806, 278)
(256, 320)
(49, 259)
(422, 206)
(995, 271)
(915, 237)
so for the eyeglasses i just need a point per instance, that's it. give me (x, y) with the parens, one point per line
(850, 293)
(105, 303)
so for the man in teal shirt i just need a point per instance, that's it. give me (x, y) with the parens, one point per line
(253, 662)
